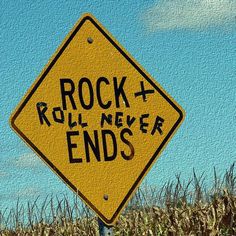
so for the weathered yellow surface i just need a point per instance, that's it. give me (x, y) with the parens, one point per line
(93, 177)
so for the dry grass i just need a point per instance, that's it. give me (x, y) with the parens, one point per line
(178, 208)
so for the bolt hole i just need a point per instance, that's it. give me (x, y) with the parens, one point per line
(90, 40)
(105, 197)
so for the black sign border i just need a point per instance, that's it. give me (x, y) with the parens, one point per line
(58, 172)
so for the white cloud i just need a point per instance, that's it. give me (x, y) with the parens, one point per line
(3, 174)
(28, 192)
(190, 14)
(28, 160)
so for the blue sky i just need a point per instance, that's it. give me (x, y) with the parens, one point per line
(189, 47)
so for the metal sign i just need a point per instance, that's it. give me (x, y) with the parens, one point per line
(96, 118)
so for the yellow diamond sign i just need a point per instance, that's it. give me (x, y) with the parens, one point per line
(96, 118)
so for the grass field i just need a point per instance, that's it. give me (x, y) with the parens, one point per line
(177, 208)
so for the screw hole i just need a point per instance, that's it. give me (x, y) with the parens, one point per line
(90, 40)
(105, 197)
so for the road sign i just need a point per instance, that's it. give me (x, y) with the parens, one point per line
(96, 118)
